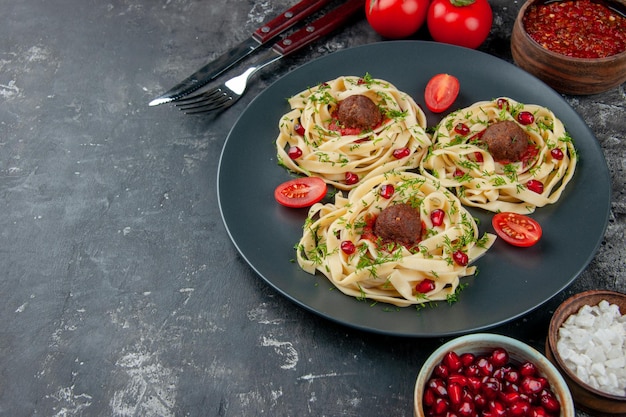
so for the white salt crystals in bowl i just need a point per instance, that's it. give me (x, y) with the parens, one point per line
(587, 343)
(592, 344)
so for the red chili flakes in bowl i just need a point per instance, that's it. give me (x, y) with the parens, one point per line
(577, 28)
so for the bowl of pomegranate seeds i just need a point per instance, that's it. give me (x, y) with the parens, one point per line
(587, 343)
(576, 46)
(487, 374)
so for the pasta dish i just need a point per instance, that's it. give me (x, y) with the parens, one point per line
(350, 129)
(502, 155)
(398, 238)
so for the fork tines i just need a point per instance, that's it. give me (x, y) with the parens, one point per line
(204, 102)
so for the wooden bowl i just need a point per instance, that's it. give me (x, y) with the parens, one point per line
(484, 343)
(587, 398)
(577, 76)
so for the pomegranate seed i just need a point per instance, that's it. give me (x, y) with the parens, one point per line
(519, 409)
(474, 383)
(503, 104)
(544, 382)
(424, 287)
(535, 186)
(528, 369)
(531, 386)
(472, 371)
(485, 366)
(479, 157)
(538, 412)
(401, 153)
(460, 257)
(480, 401)
(455, 393)
(461, 129)
(299, 129)
(294, 152)
(525, 118)
(491, 387)
(452, 361)
(499, 373)
(466, 409)
(436, 217)
(550, 403)
(429, 397)
(557, 154)
(440, 370)
(467, 396)
(509, 387)
(512, 376)
(499, 357)
(467, 359)
(348, 247)
(510, 397)
(351, 178)
(386, 191)
(457, 379)
(440, 406)
(497, 409)
(438, 387)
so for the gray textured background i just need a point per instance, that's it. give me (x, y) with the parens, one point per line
(120, 292)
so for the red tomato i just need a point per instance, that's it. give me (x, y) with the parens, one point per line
(300, 192)
(460, 22)
(516, 229)
(396, 19)
(441, 91)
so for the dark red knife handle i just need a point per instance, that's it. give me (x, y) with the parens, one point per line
(287, 19)
(321, 27)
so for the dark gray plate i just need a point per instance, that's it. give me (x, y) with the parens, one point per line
(511, 281)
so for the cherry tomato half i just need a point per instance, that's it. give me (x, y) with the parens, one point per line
(396, 19)
(300, 192)
(440, 92)
(460, 22)
(516, 229)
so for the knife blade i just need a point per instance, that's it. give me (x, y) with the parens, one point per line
(259, 37)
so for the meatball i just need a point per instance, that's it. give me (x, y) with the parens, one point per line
(506, 141)
(359, 111)
(399, 223)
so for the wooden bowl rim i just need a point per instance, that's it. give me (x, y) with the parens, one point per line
(579, 300)
(551, 53)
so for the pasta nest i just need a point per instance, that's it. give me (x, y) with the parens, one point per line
(384, 271)
(460, 163)
(329, 154)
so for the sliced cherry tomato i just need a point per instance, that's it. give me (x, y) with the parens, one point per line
(440, 92)
(516, 229)
(396, 19)
(300, 192)
(460, 22)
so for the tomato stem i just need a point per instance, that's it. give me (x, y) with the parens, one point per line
(462, 3)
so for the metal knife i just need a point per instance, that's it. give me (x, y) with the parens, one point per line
(261, 36)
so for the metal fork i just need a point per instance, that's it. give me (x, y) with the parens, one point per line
(227, 94)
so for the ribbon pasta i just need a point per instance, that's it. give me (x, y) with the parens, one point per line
(331, 155)
(390, 272)
(460, 163)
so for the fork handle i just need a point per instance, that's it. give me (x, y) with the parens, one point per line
(320, 27)
(287, 19)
